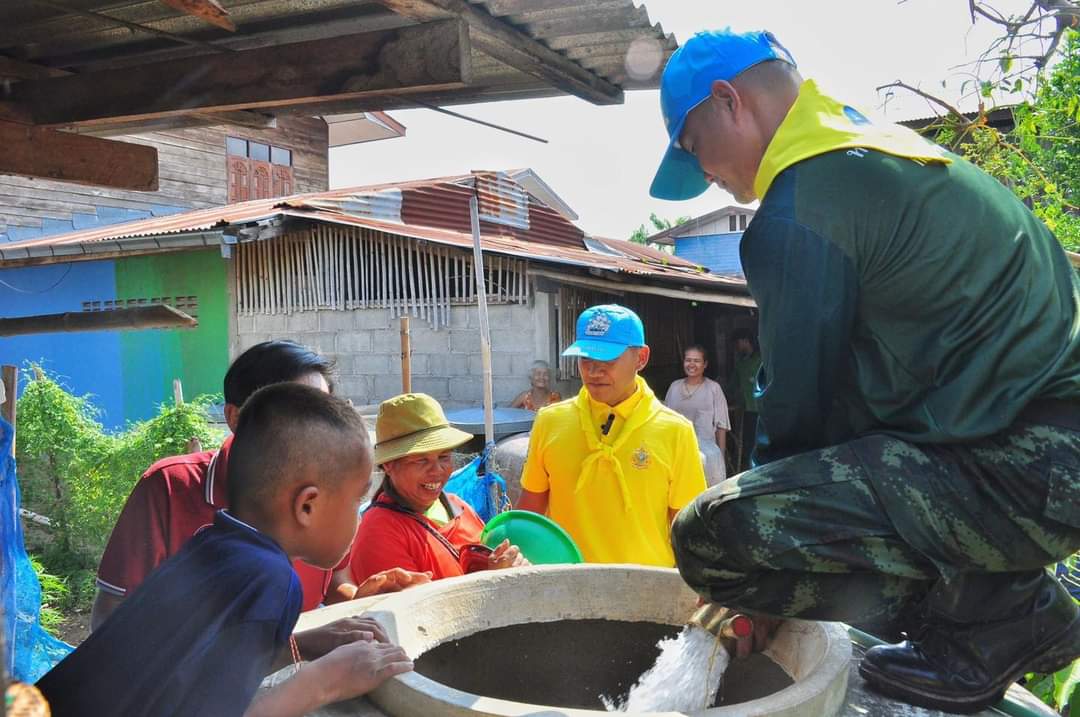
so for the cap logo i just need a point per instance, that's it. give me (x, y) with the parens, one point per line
(598, 325)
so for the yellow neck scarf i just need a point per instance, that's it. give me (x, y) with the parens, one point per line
(600, 452)
(817, 124)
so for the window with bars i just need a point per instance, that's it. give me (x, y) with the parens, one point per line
(345, 268)
(257, 170)
(188, 304)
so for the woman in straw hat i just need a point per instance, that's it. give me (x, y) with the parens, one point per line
(412, 522)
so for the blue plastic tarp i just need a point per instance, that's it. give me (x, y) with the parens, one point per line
(29, 651)
(482, 489)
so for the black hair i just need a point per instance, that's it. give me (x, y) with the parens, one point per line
(272, 362)
(699, 348)
(288, 432)
(739, 334)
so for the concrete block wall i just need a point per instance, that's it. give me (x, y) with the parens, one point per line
(446, 363)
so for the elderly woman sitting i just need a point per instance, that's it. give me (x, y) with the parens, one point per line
(412, 523)
(539, 393)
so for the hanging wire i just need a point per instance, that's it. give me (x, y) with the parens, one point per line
(42, 291)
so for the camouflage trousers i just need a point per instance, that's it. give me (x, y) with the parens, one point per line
(861, 531)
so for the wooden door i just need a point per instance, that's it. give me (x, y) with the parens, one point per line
(239, 173)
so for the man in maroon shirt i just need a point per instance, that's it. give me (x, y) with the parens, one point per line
(179, 496)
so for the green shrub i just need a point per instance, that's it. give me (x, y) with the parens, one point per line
(1061, 689)
(54, 597)
(78, 475)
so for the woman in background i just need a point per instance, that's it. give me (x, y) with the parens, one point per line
(702, 401)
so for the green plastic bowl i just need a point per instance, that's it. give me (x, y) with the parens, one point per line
(542, 540)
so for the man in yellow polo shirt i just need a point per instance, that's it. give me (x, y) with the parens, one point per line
(614, 465)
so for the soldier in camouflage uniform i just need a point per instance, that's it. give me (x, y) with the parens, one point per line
(918, 452)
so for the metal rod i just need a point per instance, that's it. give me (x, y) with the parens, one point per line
(445, 111)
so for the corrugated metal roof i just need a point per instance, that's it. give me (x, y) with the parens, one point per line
(444, 203)
(512, 246)
(645, 253)
(431, 210)
(612, 38)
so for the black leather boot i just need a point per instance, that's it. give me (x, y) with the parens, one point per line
(1016, 623)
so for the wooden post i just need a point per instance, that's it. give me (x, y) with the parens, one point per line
(178, 392)
(10, 376)
(485, 329)
(406, 356)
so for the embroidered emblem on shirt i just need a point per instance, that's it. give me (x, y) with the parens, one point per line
(640, 459)
(598, 325)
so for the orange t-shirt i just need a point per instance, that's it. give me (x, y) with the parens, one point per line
(390, 539)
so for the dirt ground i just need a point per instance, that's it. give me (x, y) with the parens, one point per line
(76, 627)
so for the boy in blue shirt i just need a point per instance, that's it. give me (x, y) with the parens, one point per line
(201, 632)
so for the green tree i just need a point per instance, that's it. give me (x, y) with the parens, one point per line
(642, 233)
(78, 476)
(1040, 158)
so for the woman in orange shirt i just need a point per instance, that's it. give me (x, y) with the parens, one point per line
(412, 522)
(539, 393)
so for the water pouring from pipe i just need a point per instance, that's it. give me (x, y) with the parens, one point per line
(687, 674)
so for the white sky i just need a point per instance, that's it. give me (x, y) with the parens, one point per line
(601, 159)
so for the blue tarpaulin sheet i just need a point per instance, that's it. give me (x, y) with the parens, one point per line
(482, 489)
(30, 652)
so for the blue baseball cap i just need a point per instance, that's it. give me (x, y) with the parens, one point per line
(687, 82)
(604, 332)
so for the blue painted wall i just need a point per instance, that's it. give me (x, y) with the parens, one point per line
(123, 374)
(84, 362)
(719, 253)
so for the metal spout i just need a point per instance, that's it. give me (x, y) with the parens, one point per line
(722, 622)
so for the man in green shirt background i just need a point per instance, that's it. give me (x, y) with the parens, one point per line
(741, 390)
(917, 462)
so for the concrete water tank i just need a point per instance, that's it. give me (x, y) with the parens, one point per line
(552, 639)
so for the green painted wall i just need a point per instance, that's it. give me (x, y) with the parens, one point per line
(152, 359)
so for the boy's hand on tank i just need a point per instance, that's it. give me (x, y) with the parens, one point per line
(321, 640)
(506, 556)
(391, 581)
(356, 669)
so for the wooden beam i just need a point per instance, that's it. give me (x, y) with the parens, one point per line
(15, 69)
(9, 381)
(401, 61)
(48, 154)
(137, 317)
(12, 69)
(710, 295)
(507, 44)
(207, 10)
(240, 118)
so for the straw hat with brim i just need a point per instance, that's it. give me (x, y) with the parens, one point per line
(413, 423)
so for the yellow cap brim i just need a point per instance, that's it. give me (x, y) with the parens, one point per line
(436, 438)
